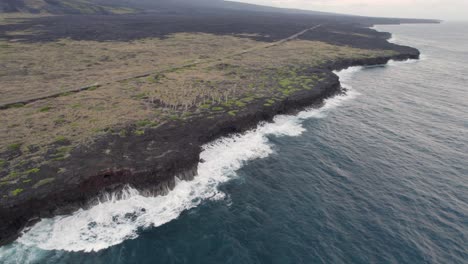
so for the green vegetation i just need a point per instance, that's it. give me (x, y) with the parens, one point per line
(61, 140)
(217, 108)
(240, 104)
(17, 105)
(59, 157)
(61, 153)
(14, 147)
(269, 102)
(11, 176)
(139, 132)
(32, 171)
(123, 133)
(45, 109)
(174, 117)
(64, 149)
(146, 123)
(16, 191)
(92, 88)
(248, 99)
(285, 82)
(205, 106)
(215, 83)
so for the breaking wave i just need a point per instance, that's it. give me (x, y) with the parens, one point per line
(120, 216)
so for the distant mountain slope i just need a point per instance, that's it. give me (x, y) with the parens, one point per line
(172, 6)
(62, 7)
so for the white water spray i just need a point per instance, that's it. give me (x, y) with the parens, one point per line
(115, 220)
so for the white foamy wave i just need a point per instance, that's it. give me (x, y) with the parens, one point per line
(120, 217)
(393, 39)
(396, 63)
(396, 40)
(348, 73)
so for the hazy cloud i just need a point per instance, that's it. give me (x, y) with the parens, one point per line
(441, 9)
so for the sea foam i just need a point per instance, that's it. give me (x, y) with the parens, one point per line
(120, 216)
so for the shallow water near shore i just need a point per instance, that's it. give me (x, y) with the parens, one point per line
(376, 175)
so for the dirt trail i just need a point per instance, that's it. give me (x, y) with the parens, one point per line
(27, 100)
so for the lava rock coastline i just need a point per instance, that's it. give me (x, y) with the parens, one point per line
(151, 162)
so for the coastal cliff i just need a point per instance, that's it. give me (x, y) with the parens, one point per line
(151, 162)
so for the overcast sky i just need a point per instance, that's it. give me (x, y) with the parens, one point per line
(438, 9)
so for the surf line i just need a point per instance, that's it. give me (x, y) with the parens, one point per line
(122, 215)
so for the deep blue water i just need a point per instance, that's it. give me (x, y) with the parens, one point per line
(378, 177)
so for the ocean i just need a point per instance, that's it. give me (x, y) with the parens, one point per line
(378, 175)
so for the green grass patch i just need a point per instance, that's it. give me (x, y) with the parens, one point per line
(59, 157)
(174, 117)
(288, 92)
(11, 176)
(17, 105)
(2, 163)
(228, 103)
(62, 153)
(139, 132)
(285, 82)
(32, 171)
(217, 108)
(123, 133)
(75, 106)
(61, 140)
(64, 149)
(16, 191)
(146, 123)
(205, 106)
(143, 123)
(233, 112)
(92, 88)
(240, 104)
(14, 147)
(248, 99)
(45, 109)
(21, 163)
